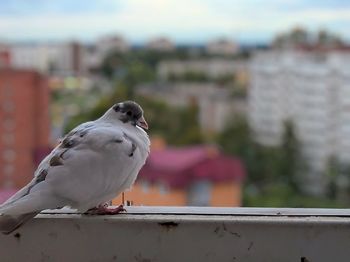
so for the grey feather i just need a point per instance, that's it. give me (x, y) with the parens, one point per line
(8, 224)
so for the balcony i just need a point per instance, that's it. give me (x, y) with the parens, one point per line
(183, 234)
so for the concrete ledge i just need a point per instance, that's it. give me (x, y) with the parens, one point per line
(172, 234)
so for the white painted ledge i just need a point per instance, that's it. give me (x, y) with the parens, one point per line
(184, 234)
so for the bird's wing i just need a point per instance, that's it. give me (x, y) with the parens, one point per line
(44, 166)
(75, 135)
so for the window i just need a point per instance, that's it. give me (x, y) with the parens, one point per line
(145, 186)
(163, 189)
(8, 106)
(9, 155)
(199, 193)
(8, 138)
(9, 124)
(8, 169)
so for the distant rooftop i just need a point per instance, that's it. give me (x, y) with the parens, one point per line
(177, 167)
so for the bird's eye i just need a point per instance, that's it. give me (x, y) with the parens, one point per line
(129, 113)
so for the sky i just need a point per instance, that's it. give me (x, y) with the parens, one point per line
(183, 21)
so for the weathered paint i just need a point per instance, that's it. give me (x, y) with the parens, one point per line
(170, 234)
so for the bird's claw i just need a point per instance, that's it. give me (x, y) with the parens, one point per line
(104, 210)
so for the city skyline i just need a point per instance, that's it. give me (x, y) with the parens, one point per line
(193, 22)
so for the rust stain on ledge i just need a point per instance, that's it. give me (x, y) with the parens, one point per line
(168, 225)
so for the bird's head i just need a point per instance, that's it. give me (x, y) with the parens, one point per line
(129, 112)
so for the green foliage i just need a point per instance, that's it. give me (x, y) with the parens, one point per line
(338, 175)
(189, 77)
(262, 163)
(332, 172)
(281, 195)
(122, 64)
(236, 138)
(291, 160)
(179, 126)
(228, 80)
(273, 173)
(90, 114)
(137, 73)
(300, 36)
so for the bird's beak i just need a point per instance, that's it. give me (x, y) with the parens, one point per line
(142, 123)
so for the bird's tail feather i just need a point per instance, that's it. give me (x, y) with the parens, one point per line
(14, 214)
(10, 223)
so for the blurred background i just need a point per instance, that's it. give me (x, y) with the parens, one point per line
(248, 102)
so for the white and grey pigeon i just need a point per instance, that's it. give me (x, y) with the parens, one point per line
(95, 162)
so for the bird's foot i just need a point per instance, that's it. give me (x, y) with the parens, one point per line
(104, 210)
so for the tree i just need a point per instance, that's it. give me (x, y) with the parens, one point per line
(291, 160)
(273, 173)
(326, 38)
(237, 140)
(178, 125)
(332, 172)
(300, 37)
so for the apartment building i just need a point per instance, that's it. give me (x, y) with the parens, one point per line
(62, 59)
(212, 67)
(313, 90)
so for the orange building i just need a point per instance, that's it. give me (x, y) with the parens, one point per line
(24, 125)
(195, 176)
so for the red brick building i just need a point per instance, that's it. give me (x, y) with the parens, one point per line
(24, 125)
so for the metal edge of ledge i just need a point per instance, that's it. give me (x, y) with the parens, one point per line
(223, 211)
(183, 234)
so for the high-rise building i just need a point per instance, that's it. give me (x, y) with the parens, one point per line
(24, 125)
(61, 59)
(311, 89)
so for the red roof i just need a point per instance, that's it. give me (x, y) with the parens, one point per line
(220, 168)
(177, 158)
(178, 167)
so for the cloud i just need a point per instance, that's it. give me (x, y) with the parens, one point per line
(190, 20)
(23, 7)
